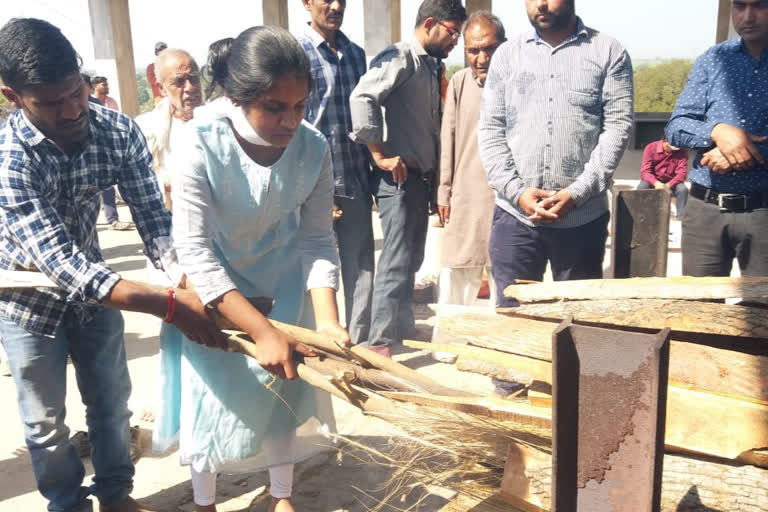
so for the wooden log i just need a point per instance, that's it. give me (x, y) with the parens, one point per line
(689, 484)
(716, 370)
(641, 288)
(493, 370)
(739, 328)
(535, 368)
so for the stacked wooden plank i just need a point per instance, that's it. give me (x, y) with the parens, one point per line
(718, 392)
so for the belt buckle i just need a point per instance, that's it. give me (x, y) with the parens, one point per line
(722, 198)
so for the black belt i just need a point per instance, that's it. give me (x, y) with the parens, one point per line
(731, 202)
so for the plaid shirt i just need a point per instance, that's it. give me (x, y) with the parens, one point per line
(49, 202)
(334, 77)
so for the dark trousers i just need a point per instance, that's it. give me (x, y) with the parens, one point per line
(404, 213)
(712, 239)
(354, 232)
(109, 204)
(519, 251)
(680, 192)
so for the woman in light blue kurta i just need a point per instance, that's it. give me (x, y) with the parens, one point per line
(252, 195)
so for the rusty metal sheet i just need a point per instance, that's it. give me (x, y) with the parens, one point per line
(608, 415)
(640, 233)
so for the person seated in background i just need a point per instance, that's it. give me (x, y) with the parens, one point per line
(665, 166)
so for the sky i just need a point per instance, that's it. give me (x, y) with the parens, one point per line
(686, 28)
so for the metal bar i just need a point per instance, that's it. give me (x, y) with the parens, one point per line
(608, 417)
(640, 233)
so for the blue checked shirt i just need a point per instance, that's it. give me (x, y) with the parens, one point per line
(49, 203)
(556, 118)
(726, 85)
(334, 77)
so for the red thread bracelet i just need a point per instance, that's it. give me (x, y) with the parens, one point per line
(171, 307)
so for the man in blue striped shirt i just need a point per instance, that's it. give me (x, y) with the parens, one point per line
(723, 114)
(57, 153)
(556, 119)
(337, 65)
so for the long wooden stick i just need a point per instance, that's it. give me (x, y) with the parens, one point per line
(642, 288)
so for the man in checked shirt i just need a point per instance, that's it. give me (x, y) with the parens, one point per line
(57, 153)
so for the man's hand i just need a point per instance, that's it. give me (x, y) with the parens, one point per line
(191, 319)
(715, 160)
(393, 164)
(530, 202)
(336, 331)
(559, 204)
(658, 185)
(444, 212)
(737, 146)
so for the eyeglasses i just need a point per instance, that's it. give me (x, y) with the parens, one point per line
(452, 31)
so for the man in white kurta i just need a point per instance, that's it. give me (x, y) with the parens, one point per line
(465, 201)
(179, 76)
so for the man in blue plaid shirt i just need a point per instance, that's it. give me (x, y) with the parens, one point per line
(337, 65)
(57, 153)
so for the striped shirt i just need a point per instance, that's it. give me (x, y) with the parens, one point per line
(49, 202)
(726, 85)
(555, 118)
(334, 77)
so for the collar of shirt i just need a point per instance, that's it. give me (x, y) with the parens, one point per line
(581, 30)
(318, 40)
(29, 133)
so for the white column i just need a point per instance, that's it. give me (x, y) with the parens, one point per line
(113, 50)
(275, 12)
(724, 30)
(382, 24)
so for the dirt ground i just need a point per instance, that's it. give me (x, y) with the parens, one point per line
(329, 482)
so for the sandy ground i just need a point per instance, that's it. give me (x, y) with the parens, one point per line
(332, 481)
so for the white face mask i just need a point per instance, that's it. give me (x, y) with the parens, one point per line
(241, 125)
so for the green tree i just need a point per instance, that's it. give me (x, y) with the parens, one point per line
(146, 101)
(657, 86)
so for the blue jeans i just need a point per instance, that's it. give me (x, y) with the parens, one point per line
(109, 204)
(39, 368)
(404, 214)
(354, 232)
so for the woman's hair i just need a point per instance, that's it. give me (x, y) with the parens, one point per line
(218, 51)
(254, 61)
(33, 52)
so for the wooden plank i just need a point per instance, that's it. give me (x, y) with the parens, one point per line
(738, 328)
(688, 484)
(535, 368)
(641, 288)
(716, 370)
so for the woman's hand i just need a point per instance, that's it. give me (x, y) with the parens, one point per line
(274, 351)
(336, 331)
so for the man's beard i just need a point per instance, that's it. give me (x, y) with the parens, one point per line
(559, 21)
(436, 51)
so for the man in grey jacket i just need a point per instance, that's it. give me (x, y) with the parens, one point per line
(405, 79)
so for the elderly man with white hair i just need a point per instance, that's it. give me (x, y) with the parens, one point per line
(179, 76)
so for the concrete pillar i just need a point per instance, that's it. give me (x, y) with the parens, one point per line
(382, 24)
(113, 49)
(276, 12)
(725, 28)
(479, 5)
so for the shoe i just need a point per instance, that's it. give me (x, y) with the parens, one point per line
(444, 357)
(80, 441)
(119, 225)
(382, 350)
(5, 370)
(127, 505)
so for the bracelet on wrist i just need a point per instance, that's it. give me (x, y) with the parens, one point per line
(171, 308)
